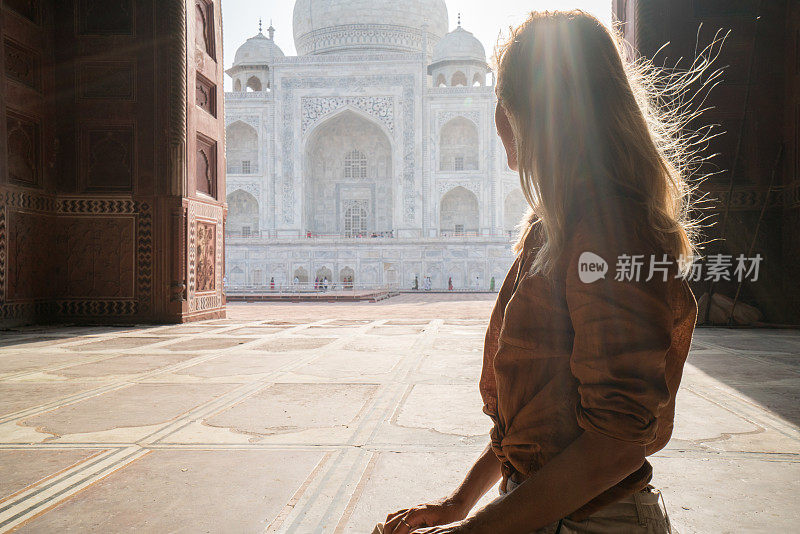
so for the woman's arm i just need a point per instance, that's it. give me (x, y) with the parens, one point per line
(480, 478)
(590, 465)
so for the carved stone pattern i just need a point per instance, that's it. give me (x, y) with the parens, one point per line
(250, 187)
(22, 65)
(3, 252)
(106, 17)
(99, 257)
(250, 95)
(314, 109)
(211, 213)
(349, 36)
(143, 246)
(205, 255)
(23, 142)
(107, 80)
(109, 159)
(352, 57)
(350, 83)
(206, 95)
(28, 201)
(443, 117)
(444, 186)
(251, 119)
(206, 167)
(29, 243)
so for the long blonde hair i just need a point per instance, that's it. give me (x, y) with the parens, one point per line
(588, 124)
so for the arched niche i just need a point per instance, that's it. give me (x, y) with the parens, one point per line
(458, 145)
(241, 148)
(348, 177)
(459, 213)
(441, 81)
(459, 79)
(242, 213)
(253, 84)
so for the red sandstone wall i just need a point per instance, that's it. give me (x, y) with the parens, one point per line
(101, 215)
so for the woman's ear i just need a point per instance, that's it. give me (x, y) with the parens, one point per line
(506, 135)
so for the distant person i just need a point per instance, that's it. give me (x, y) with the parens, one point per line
(272, 284)
(450, 284)
(491, 284)
(580, 371)
(296, 281)
(415, 285)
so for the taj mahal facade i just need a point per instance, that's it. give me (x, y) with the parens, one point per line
(369, 159)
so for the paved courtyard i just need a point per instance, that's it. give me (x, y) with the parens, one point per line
(305, 418)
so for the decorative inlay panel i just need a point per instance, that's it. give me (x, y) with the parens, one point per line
(204, 275)
(23, 143)
(107, 80)
(105, 17)
(316, 108)
(206, 95)
(22, 64)
(108, 157)
(206, 166)
(205, 254)
(29, 272)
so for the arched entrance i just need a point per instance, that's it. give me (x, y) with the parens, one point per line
(301, 275)
(458, 145)
(242, 213)
(348, 177)
(458, 212)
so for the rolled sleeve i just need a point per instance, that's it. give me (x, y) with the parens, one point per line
(622, 333)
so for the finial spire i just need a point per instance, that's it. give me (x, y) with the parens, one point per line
(459, 20)
(259, 26)
(271, 30)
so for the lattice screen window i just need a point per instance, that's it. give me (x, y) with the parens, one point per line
(355, 165)
(246, 167)
(459, 163)
(355, 218)
(245, 231)
(459, 229)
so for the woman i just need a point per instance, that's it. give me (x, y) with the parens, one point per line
(582, 360)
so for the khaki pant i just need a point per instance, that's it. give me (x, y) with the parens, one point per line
(639, 513)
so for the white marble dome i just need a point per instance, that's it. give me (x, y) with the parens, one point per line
(459, 45)
(257, 50)
(332, 26)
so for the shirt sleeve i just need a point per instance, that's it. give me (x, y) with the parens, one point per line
(622, 332)
(488, 384)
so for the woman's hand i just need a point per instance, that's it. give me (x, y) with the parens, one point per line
(431, 514)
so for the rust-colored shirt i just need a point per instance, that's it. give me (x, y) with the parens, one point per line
(562, 355)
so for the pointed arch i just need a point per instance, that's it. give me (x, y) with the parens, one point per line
(459, 212)
(459, 145)
(479, 80)
(459, 79)
(241, 148)
(441, 81)
(254, 83)
(243, 213)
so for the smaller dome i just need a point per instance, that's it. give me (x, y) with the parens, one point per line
(257, 50)
(459, 45)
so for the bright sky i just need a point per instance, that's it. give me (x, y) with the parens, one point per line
(485, 18)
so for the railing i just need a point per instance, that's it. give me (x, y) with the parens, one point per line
(300, 288)
(240, 169)
(266, 234)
